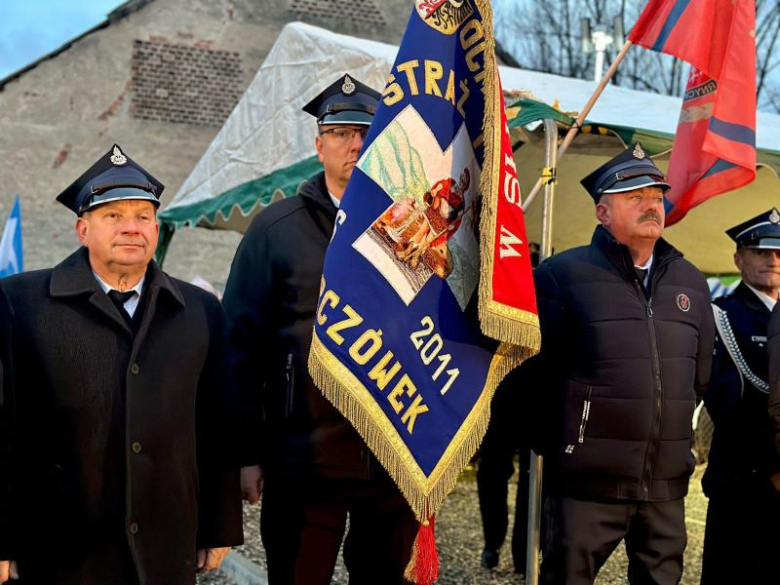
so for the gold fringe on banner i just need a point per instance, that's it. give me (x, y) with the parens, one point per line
(424, 494)
(504, 323)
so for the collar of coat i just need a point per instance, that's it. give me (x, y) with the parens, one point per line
(316, 191)
(620, 255)
(73, 276)
(749, 299)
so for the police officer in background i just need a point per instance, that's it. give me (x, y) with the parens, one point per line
(503, 440)
(743, 471)
(627, 338)
(506, 436)
(307, 460)
(120, 471)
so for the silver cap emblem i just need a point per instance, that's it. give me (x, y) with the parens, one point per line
(774, 217)
(117, 157)
(638, 152)
(348, 88)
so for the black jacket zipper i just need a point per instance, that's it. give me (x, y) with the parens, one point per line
(648, 468)
(585, 415)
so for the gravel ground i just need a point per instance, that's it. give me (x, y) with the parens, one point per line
(459, 539)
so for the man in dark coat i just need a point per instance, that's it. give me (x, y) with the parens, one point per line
(506, 436)
(627, 337)
(7, 436)
(743, 463)
(121, 471)
(307, 460)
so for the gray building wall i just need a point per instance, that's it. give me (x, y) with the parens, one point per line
(159, 79)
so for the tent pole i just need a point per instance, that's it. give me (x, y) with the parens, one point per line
(535, 475)
(580, 119)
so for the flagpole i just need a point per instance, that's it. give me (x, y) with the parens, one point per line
(580, 119)
(536, 462)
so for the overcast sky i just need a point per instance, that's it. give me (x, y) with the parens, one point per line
(31, 28)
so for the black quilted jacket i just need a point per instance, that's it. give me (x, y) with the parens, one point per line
(619, 373)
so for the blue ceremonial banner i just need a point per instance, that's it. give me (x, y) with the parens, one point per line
(11, 257)
(398, 346)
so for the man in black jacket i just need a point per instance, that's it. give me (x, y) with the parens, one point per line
(307, 460)
(122, 406)
(744, 465)
(627, 336)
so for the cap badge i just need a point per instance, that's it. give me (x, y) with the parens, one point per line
(774, 217)
(117, 157)
(638, 152)
(349, 87)
(683, 302)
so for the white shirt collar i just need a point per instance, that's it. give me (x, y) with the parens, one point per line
(646, 265)
(138, 288)
(130, 304)
(763, 297)
(336, 201)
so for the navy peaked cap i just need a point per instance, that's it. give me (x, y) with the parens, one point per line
(113, 177)
(760, 232)
(631, 169)
(345, 101)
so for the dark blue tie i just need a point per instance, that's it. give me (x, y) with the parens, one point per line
(119, 299)
(641, 274)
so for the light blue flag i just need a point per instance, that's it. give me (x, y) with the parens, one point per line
(11, 256)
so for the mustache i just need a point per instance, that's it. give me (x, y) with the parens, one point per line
(650, 215)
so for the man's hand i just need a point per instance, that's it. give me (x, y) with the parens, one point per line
(8, 571)
(775, 479)
(252, 482)
(211, 558)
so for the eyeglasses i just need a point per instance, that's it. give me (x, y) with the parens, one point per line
(345, 135)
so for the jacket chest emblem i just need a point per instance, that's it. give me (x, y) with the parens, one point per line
(683, 302)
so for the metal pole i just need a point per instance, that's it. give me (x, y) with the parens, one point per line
(535, 474)
(598, 68)
(550, 162)
(581, 118)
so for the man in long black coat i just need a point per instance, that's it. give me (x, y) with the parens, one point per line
(121, 470)
(627, 337)
(744, 465)
(314, 466)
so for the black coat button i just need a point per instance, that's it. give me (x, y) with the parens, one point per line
(136, 447)
(134, 528)
(134, 369)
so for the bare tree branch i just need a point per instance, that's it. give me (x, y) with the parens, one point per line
(544, 35)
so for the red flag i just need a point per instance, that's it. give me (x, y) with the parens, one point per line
(507, 299)
(715, 145)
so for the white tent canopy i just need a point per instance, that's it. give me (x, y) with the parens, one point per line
(266, 147)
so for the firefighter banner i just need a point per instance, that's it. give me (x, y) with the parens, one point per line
(715, 143)
(427, 298)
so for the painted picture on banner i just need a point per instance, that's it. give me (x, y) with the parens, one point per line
(428, 228)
